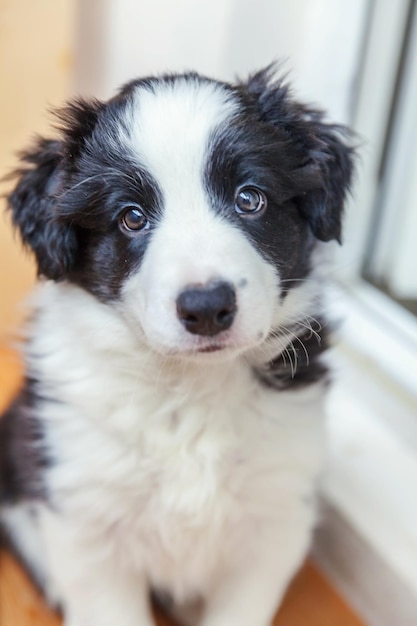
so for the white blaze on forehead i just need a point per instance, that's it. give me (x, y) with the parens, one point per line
(168, 134)
(169, 131)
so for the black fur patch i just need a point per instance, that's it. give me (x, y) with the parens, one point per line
(300, 364)
(23, 454)
(107, 256)
(323, 175)
(104, 180)
(302, 164)
(247, 153)
(71, 194)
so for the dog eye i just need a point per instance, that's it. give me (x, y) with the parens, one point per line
(133, 219)
(250, 200)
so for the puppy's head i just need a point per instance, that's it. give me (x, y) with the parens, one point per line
(190, 206)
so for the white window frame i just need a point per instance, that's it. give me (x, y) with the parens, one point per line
(368, 536)
(381, 54)
(368, 532)
(394, 258)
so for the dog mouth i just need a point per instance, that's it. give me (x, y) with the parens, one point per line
(211, 348)
(221, 345)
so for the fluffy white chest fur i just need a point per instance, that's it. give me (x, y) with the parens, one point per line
(170, 468)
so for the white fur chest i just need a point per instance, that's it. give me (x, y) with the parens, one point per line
(170, 467)
(191, 486)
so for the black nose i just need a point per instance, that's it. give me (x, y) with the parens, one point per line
(207, 310)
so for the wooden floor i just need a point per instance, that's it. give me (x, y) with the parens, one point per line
(310, 601)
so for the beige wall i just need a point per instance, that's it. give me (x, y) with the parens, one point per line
(36, 41)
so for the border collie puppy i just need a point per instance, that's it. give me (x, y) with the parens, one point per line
(169, 434)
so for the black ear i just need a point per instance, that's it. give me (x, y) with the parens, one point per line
(324, 152)
(47, 172)
(331, 162)
(77, 122)
(33, 208)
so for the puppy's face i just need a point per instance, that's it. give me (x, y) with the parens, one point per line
(190, 206)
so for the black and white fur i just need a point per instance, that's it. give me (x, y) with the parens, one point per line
(163, 441)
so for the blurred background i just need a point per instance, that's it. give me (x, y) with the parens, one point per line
(356, 58)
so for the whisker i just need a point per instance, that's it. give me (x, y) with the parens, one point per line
(110, 172)
(302, 345)
(311, 331)
(293, 365)
(81, 182)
